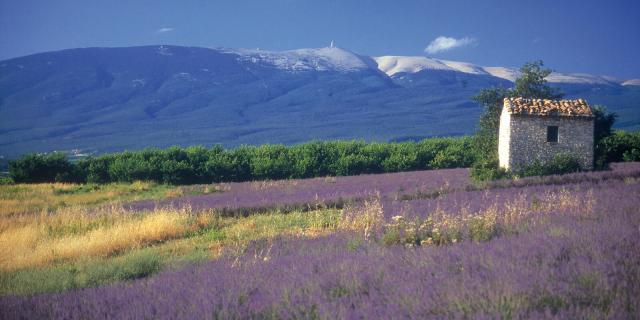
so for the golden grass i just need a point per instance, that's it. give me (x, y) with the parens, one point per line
(305, 224)
(27, 199)
(367, 218)
(73, 234)
(23, 199)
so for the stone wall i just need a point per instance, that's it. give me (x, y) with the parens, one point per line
(504, 138)
(527, 139)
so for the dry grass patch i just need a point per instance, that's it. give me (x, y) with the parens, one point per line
(443, 227)
(27, 199)
(75, 234)
(367, 218)
(21, 199)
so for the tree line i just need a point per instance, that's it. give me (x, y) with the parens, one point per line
(198, 164)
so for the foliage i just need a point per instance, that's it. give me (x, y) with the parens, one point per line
(195, 165)
(561, 164)
(488, 170)
(532, 85)
(6, 180)
(33, 168)
(603, 123)
(4, 165)
(620, 146)
(486, 138)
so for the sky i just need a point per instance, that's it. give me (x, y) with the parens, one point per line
(596, 37)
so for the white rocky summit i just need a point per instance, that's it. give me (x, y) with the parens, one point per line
(333, 58)
(321, 59)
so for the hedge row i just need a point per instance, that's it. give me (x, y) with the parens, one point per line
(208, 165)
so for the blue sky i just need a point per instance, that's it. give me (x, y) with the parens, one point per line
(598, 37)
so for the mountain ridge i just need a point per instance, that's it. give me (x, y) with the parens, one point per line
(97, 99)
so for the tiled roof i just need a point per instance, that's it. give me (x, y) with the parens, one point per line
(546, 107)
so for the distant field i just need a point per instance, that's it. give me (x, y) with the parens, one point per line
(416, 244)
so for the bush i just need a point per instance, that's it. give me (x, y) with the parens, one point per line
(490, 170)
(454, 155)
(4, 180)
(487, 170)
(621, 146)
(34, 168)
(271, 162)
(561, 164)
(401, 157)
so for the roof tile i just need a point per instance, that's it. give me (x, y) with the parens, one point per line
(546, 107)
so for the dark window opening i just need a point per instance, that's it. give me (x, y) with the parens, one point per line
(552, 134)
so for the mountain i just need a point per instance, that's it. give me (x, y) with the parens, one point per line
(99, 100)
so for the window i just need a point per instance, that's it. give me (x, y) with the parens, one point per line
(552, 134)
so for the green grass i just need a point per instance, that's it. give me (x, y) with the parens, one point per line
(88, 273)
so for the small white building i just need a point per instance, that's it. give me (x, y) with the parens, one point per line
(538, 129)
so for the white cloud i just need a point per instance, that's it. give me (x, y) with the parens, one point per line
(164, 30)
(447, 43)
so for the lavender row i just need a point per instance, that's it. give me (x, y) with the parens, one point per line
(391, 186)
(316, 191)
(566, 266)
(534, 197)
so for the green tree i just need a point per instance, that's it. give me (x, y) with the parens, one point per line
(602, 128)
(531, 84)
(33, 168)
(603, 123)
(486, 138)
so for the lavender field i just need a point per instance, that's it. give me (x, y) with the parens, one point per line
(412, 245)
(317, 191)
(332, 191)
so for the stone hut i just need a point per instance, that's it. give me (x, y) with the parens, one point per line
(537, 129)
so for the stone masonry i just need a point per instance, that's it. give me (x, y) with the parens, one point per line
(525, 132)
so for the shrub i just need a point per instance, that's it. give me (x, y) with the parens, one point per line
(621, 146)
(487, 170)
(561, 164)
(33, 168)
(401, 157)
(4, 180)
(454, 155)
(271, 162)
